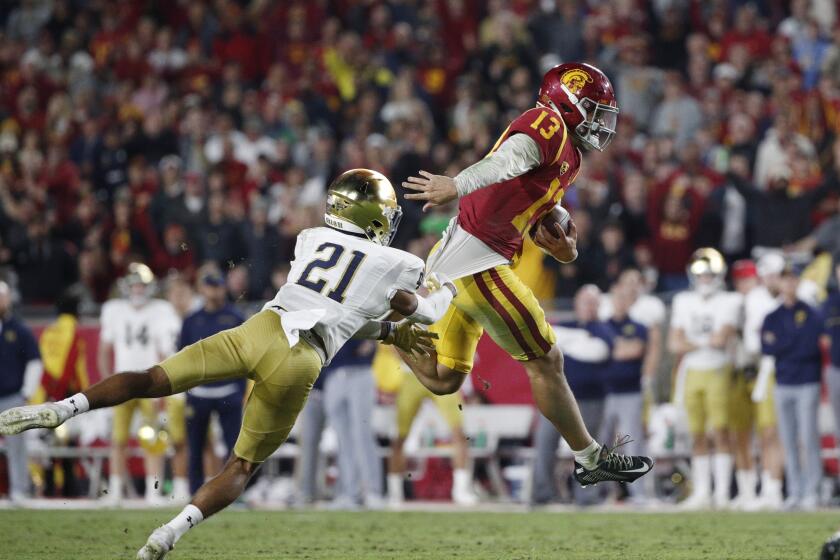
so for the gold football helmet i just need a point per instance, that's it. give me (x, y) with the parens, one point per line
(362, 201)
(707, 270)
(138, 284)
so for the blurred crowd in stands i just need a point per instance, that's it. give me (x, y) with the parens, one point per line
(183, 132)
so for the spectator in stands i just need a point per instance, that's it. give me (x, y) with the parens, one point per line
(674, 223)
(611, 256)
(220, 239)
(586, 343)
(20, 376)
(678, 114)
(262, 244)
(791, 335)
(224, 398)
(779, 216)
(623, 405)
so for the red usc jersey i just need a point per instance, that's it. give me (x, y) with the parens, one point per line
(500, 214)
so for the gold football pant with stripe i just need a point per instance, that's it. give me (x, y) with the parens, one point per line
(257, 349)
(497, 301)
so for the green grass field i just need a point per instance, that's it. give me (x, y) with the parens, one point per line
(90, 535)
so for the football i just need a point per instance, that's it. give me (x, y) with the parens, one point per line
(557, 215)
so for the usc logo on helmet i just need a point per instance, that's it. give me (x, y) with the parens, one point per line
(575, 80)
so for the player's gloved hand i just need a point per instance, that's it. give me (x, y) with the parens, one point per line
(436, 190)
(436, 281)
(559, 244)
(410, 338)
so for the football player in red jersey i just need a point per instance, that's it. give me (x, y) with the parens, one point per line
(502, 198)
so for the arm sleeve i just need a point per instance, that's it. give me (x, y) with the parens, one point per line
(430, 309)
(516, 156)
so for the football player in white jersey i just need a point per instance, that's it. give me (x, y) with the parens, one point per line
(343, 278)
(136, 332)
(704, 323)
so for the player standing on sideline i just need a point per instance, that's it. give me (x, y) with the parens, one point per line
(623, 380)
(704, 323)
(749, 408)
(344, 276)
(791, 336)
(502, 198)
(138, 331)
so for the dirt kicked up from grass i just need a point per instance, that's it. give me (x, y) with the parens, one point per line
(95, 535)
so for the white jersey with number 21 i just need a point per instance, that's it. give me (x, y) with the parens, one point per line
(343, 281)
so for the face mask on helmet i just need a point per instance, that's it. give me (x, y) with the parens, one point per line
(138, 286)
(599, 123)
(394, 217)
(706, 274)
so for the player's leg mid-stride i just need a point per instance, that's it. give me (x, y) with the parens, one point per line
(593, 462)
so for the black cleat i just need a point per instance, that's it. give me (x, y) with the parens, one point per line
(614, 466)
(831, 548)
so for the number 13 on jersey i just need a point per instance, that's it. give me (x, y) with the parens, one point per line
(330, 278)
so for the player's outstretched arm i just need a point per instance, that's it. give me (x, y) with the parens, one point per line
(406, 336)
(425, 310)
(516, 156)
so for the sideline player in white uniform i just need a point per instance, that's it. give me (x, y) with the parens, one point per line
(343, 278)
(703, 328)
(138, 331)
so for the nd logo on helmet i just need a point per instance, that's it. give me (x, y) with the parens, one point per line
(575, 80)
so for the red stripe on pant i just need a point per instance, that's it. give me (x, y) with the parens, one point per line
(503, 313)
(544, 344)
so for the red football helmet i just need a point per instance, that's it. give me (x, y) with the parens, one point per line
(583, 96)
